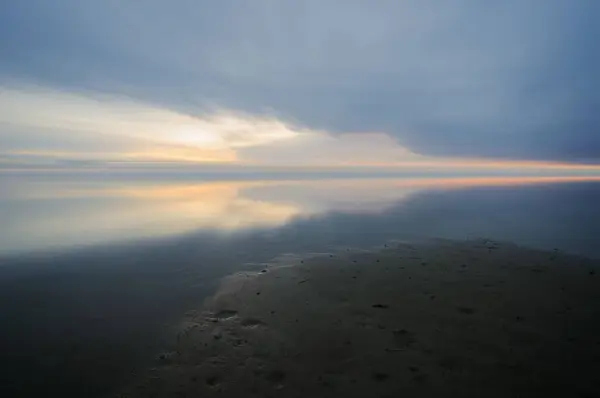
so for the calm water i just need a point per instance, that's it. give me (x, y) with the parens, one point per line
(93, 272)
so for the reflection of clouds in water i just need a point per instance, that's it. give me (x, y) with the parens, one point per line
(46, 214)
(373, 195)
(76, 216)
(316, 197)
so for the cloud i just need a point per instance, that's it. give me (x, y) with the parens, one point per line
(47, 129)
(45, 124)
(507, 79)
(42, 122)
(322, 149)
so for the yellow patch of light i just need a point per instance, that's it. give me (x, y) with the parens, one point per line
(148, 153)
(192, 134)
(179, 207)
(231, 130)
(44, 108)
(182, 154)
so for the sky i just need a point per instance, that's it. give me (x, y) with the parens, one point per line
(327, 83)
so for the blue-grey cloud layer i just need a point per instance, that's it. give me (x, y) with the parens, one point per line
(515, 78)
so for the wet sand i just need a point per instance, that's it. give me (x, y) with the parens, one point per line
(434, 319)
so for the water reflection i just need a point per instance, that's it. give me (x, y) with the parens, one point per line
(107, 306)
(45, 214)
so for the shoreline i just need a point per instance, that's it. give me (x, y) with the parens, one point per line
(438, 318)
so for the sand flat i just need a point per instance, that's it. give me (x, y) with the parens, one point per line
(434, 319)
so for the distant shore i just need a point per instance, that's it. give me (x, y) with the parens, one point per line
(433, 319)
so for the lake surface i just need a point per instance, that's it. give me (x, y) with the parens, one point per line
(94, 272)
